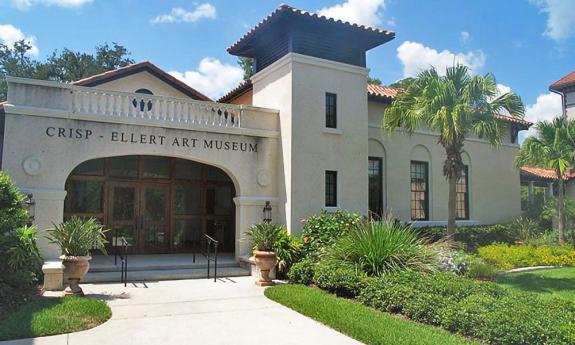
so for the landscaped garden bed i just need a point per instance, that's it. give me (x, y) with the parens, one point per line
(396, 272)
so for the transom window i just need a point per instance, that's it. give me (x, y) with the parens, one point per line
(375, 186)
(330, 110)
(462, 195)
(330, 188)
(419, 190)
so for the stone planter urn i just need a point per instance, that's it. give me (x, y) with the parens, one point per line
(75, 268)
(265, 262)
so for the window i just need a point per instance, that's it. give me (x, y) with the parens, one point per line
(419, 190)
(375, 185)
(462, 196)
(330, 110)
(330, 188)
(141, 102)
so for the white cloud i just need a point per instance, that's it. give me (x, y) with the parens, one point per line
(546, 107)
(465, 37)
(212, 77)
(560, 18)
(363, 12)
(10, 34)
(415, 57)
(25, 4)
(180, 15)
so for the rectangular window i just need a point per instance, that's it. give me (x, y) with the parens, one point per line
(462, 196)
(419, 190)
(330, 110)
(330, 188)
(375, 186)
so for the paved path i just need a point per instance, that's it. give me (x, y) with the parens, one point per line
(230, 311)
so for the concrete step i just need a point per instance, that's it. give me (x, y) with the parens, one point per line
(134, 265)
(164, 274)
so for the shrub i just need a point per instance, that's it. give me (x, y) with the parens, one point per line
(78, 236)
(479, 309)
(481, 270)
(380, 247)
(322, 231)
(507, 257)
(288, 251)
(341, 279)
(20, 260)
(263, 236)
(514, 318)
(474, 236)
(302, 272)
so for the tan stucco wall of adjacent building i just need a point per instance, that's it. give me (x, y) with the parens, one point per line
(494, 189)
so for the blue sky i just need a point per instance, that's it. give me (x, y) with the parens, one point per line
(527, 44)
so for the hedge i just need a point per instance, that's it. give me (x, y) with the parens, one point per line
(507, 257)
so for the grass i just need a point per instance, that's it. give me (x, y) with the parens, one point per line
(48, 316)
(358, 321)
(557, 282)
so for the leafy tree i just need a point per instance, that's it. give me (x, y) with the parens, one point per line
(64, 66)
(553, 147)
(372, 80)
(454, 106)
(247, 64)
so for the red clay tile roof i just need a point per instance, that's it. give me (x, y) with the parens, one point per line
(382, 91)
(286, 8)
(560, 84)
(546, 174)
(138, 67)
(513, 119)
(239, 90)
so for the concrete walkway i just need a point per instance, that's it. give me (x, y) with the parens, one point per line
(230, 311)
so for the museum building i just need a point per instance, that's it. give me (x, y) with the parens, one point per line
(161, 164)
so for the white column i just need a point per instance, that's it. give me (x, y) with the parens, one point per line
(550, 190)
(530, 192)
(249, 211)
(48, 209)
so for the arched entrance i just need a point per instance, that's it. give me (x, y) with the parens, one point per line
(159, 204)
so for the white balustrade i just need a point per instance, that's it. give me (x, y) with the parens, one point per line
(148, 107)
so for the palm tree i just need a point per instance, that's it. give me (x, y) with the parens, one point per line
(454, 106)
(553, 147)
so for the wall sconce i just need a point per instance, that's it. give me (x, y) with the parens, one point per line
(29, 203)
(267, 212)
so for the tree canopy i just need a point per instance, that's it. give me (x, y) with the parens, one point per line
(64, 66)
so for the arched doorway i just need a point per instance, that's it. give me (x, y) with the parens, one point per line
(159, 204)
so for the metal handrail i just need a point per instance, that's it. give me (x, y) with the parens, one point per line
(209, 242)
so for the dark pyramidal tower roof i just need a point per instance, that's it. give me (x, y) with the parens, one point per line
(288, 30)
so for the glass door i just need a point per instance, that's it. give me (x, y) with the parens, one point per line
(123, 215)
(155, 222)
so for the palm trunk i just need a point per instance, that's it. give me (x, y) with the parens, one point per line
(451, 207)
(561, 212)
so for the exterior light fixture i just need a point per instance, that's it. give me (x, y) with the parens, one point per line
(267, 212)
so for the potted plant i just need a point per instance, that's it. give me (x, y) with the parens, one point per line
(76, 237)
(263, 237)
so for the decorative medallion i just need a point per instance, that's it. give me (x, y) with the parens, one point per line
(264, 178)
(32, 165)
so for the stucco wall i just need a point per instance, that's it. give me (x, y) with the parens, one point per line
(494, 188)
(39, 158)
(142, 80)
(297, 85)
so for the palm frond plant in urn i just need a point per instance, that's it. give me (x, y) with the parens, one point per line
(76, 237)
(263, 237)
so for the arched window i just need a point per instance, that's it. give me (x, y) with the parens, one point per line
(141, 103)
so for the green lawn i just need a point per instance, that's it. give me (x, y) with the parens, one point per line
(358, 321)
(557, 282)
(48, 316)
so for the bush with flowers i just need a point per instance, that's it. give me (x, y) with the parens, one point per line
(507, 257)
(322, 230)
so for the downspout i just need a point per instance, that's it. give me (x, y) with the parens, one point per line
(563, 102)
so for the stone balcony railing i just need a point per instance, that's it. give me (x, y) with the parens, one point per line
(54, 99)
